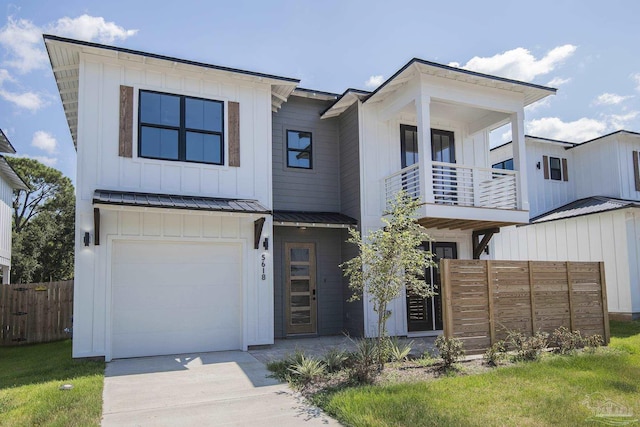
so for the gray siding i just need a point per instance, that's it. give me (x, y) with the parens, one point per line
(350, 163)
(317, 189)
(329, 287)
(350, 205)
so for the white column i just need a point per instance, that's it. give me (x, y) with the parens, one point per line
(424, 147)
(6, 275)
(520, 159)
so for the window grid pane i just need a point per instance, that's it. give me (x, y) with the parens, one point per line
(175, 127)
(299, 148)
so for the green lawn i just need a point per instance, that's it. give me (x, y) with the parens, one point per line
(29, 380)
(550, 392)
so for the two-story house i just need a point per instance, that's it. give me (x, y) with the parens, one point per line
(9, 181)
(213, 203)
(584, 201)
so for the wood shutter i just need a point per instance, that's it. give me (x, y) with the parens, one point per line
(545, 166)
(234, 133)
(636, 168)
(565, 172)
(125, 146)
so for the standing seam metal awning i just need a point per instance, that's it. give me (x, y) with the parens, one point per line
(172, 201)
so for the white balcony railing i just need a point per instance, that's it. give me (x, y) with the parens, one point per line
(458, 185)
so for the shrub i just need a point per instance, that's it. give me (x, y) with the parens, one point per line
(364, 360)
(397, 351)
(565, 341)
(527, 348)
(496, 353)
(426, 360)
(282, 368)
(592, 342)
(335, 359)
(307, 370)
(450, 349)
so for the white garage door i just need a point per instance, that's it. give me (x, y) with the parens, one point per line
(170, 298)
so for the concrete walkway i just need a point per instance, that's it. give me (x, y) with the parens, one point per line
(207, 389)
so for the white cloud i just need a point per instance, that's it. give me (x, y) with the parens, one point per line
(636, 79)
(374, 82)
(610, 99)
(23, 40)
(44, 141)
(519, 63)
(620, 121)
(5, 76)
(579, 130)
(49, 161)
(29, 100)
(558, 81)
(90, 28)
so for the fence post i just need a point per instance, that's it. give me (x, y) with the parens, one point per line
(492, 327)
(446, 287)
(605, 308)
(533, 300)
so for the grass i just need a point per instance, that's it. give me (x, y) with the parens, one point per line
(30, 377)
(550, 392)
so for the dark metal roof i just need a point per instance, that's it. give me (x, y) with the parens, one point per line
(586, 206)
(570, 144)
(604, 136)
(167, 58)
(170, 201)
(313, 217)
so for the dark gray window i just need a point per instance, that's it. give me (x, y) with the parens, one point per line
(174, 127)
(555, 167)
(507, 164)
(299, 153)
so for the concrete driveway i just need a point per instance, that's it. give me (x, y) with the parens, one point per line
(228, 388)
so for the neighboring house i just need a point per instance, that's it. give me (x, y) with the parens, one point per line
(213, 203)
(584, 206)
(9, 181)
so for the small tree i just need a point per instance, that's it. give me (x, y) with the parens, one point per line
(390, 259)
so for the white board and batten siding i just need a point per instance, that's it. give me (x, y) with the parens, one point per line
(380, 156)
(6, 218)
(100, 272)
(606, 167)
(612, 237)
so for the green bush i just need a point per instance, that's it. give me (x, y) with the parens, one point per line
(527, 348)
(496, 353)
(566, 341)
(364, 361)
(592, 342)
(335, 359)
(282, 368)
(397, 351)
(450, 349)
(306, 370)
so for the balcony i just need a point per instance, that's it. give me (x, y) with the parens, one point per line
(460, 197)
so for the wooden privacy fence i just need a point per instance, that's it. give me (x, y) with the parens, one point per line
(483, 300)
(35, 312)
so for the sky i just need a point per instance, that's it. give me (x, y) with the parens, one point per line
(588, 50)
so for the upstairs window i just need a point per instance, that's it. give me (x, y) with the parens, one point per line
(175, 127)
(506, 164)
(299, 153)
(555, 168)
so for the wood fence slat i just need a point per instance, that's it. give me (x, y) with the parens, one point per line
(535, 296)
(47, 305)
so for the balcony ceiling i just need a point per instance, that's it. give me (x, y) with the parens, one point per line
(462, 224)
(449, 110)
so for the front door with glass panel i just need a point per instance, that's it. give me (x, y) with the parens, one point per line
(425, 314)
(300, 265)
